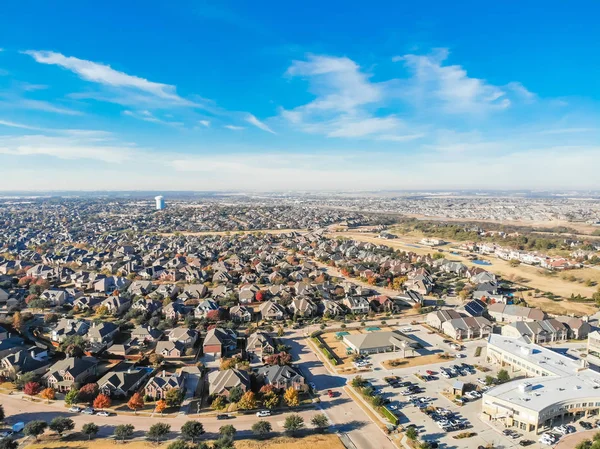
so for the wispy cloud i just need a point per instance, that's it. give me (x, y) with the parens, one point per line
(256, 122)
(147, 116)
(234, 127)
(105, 75)
(17, 125)
(205, 123)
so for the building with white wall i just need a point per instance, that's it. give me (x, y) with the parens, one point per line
(160, 202)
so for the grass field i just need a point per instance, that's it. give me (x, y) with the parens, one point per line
(528, 276)
(312, 441)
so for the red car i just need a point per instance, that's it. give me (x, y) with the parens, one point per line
(330, 393)
(429, 372)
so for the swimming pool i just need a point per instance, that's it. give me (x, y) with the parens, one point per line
(481, 262)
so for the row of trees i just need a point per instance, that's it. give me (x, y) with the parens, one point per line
(268, 396)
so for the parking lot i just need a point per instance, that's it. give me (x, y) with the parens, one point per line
(431, 410)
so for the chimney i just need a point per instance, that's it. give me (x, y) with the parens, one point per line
(164, 373)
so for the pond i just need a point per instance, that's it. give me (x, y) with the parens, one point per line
(481, 262)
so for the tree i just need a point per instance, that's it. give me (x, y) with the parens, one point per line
(280, 332)
(247, 401)
(271, 400)
(90, 429)
(227, 431)
(2, 414)
(136, 402)
(35, 428)
(179, 444)
(412, 434)
(293, 423)
(281, 359)
(60, 425)
(7, 443)
(236, 393)
(489, 380)
(218, 403)
(585, 444)
(48, 394)
(158, 430)
(192, 430)
(102, 401)
(31, 388)
(228, 363)
(88, 392)
(123, 431)
(320, 421)
(503, 376)
(224, 443)
(174, 397)
(259, 296)
(358, 382)
(261, 428)
(156, 359)
(291, 397)
(17, 321)
(72, 396)
(161, 406)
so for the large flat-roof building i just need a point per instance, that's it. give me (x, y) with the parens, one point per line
(553, 388)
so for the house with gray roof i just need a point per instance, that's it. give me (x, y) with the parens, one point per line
(124, 380)
(281, 377)
(376, 342)
(222, 382)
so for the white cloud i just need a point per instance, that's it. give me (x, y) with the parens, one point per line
(449, 85)
(107, 76)
(147, 116)
(17, 125)
(365, 127)
(14, 102)
(256, 122)
(521, 91)
(205, 123)
(234, 128)
(401, 138)
(65, 147)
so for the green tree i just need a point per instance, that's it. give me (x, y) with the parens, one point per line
(218, 403)
(235, 394)
(179, 444)
(174, 397)
(358, 382)
(192, 430)
(158, 430)
(293, 423)
(123, 431)
(503, 376)
(320, 422)
(7, 443)
(261, 428)
(72, 396)
(227, 431)
(2, 415)
(585, 444)
(224, 443)
(60, 425)
(412, 434)
(90, 429)
(489, 380)
(271, 400)
(35, 428)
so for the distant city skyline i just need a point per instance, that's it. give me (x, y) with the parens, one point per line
(210, 96)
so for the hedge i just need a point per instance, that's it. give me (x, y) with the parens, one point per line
(389, 415)
(332, 358)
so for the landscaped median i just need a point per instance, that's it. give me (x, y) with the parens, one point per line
(361, 387)
(316, 338)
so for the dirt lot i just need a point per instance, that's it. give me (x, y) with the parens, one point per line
(525, 275)
(414, 361)
(312, 441)
(339, 348)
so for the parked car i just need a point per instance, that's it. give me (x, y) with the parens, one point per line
(263, 413)
(75, 409)
(88, 411)
(330, 393)
(224, 416)
(526, 443)
(586, 425)
(103, 413)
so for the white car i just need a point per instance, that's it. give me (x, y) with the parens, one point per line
(481, 381)
(102, 413)
(407, 329)
(263, 413)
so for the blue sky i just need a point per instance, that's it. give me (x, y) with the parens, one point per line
(324, 95)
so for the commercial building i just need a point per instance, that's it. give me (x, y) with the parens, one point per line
(552, 388)
(160, 202)
(375, 342)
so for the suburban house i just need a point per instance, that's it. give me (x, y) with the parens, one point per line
(183, 335)
(508, 313)
(332, 308)
(146, 333)
(376, 342)
(222, 382)
(64, 374)
(103, 332)
(439, 317)
(303, 307)
(467, 328)
(578, 329)
(281, 377)
(204, 307)
(29, 360)
(357, 304)
(170, 349)
(260, 344)
(544, 331)
(116, 304)
(175, 310)
(219, 341)
(241, 314)
(68, 327)
(124, 380)
(270, 310)
(158, 386)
